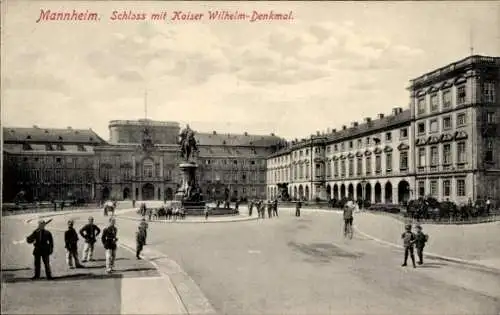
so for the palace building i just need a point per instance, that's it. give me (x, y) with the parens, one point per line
(444, 145)
(140, 161)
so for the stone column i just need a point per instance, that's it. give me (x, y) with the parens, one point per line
(372, 197)
(395, 197)
(161, 166)
(382, 194)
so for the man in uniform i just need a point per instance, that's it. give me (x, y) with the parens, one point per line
(43, 244)
(109, 239)
(89, 232)
(140, 241)
(275, 207)
(408, 242)
(71, 245)
(144, 227)
(298, 205)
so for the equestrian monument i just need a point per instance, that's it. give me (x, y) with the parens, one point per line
(189, 193)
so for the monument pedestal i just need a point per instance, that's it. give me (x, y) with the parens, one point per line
(189, 193)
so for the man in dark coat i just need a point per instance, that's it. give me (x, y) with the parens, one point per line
(71, 245)
(140, 239)
(43, 244)
(275, 207)
(408, 243)
(89, 232)
(298, 205)
(109, 239)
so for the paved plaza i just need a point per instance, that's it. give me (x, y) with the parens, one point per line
(284, 265)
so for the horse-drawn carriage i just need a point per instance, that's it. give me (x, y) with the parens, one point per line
(169, 210)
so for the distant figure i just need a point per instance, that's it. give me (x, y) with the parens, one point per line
(488, 206)
(144, 226)
(71, 245)
(207, 209)
(269, 209)
(420, 241)
(408, 242)
(298, 205)
(89, 232)
(143, 209)
(133, 203)
(140, 241)
(43, 244)
(109, 239)
(275, 207)
(250, 208)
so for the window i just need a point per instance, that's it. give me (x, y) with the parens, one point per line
(49, 147)
(335, 148)
(342, 146)
(388, 162)
(360, 143)
(27, 147)
(461, 158)
(421, 128)
(421, 157)
(490, 117)
(434, 156)
(350, 145)
(403, 133)
(378, 164)
(447, 123)
(489, 150)
(343, 170)
(434, 103)
(307, 151)
(307, 171)
(446, 154)
(328, 149)
(460, 187)
(434, 127)
(403, 160)
(329, 169)
(446, 98)
(367, 140)
(351, 167)
(433, 188)
(461, 94)
(461, 119)
(446, 187)
(388, 136)
(60, 147)
(359, 166)
(336, 168)
(368, 165)
(489, 92)
(421, 105)
(81, 148)
(421, 188)
(147, 168)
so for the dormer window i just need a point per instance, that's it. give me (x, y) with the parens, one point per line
(60, 147)
(27, 147)
(49, 147)
(81, 148)
(28, 137)
(60, 138)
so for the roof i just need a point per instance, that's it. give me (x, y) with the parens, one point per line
(386, 122)
(51, 135)
(14, 148)
(210, 139)
(234, 152)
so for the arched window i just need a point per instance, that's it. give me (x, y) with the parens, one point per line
(148, 168)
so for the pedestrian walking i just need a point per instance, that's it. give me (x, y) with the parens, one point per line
(144, 226)
(109, 239)
(408, 242)
(207, 209)
(250, 208)
(275, 208)
(269, 209)
(420, 240)
(298, 205)
(140, 241)
(43, 244)
(89, 232)
(71, 245)
(488, 206)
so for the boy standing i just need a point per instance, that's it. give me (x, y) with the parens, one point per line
(109, 239)
(420, 240)
(71, 245)
(408, 241)
(89, 232)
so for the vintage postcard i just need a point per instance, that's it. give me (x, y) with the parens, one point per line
(250, 157)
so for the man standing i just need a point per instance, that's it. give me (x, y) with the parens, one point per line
(109, 239)
(408, 242)
(89, 232)
(43, 244)
(144, 227)
(298, 205)
(348, 218)
(140, 241)
(71, 245)
(275, 207)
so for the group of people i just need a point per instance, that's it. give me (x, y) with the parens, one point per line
(43, 244)
(261, 205)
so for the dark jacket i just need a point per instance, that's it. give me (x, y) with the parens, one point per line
(42, 241)
(90, 232)
(70, 239)
(408, 239)
(109, 238)
(140, 237)
(420, 239)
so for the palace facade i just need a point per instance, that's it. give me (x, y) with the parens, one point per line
(444, 145)
(140, 161)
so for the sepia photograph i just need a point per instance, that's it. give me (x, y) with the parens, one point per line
(250, 157)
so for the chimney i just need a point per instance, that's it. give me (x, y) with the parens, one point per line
(368, 120)
(214, 132)
(380, 116)
(35, 126)
(69, 127)
(396, 111)
(318, 133)
(354, 124)
(328, 130)
(272, 134)
(334, 130)
(344, 127)
(246, 133)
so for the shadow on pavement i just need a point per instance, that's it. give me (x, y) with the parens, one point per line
(15, 269)
(117, 259)
(11, 278)
(432, 265)
(322, 252)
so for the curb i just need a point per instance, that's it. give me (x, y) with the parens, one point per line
(189, 221)
(49, 215)
(433, 256)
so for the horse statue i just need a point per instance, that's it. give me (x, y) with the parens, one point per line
(188, 143)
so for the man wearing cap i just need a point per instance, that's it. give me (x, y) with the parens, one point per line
(348, 218)
(408, 242)
(71, 245)
(43, 244)
(109, 239)
(89, 232)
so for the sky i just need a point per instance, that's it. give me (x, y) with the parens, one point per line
(332, 64)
